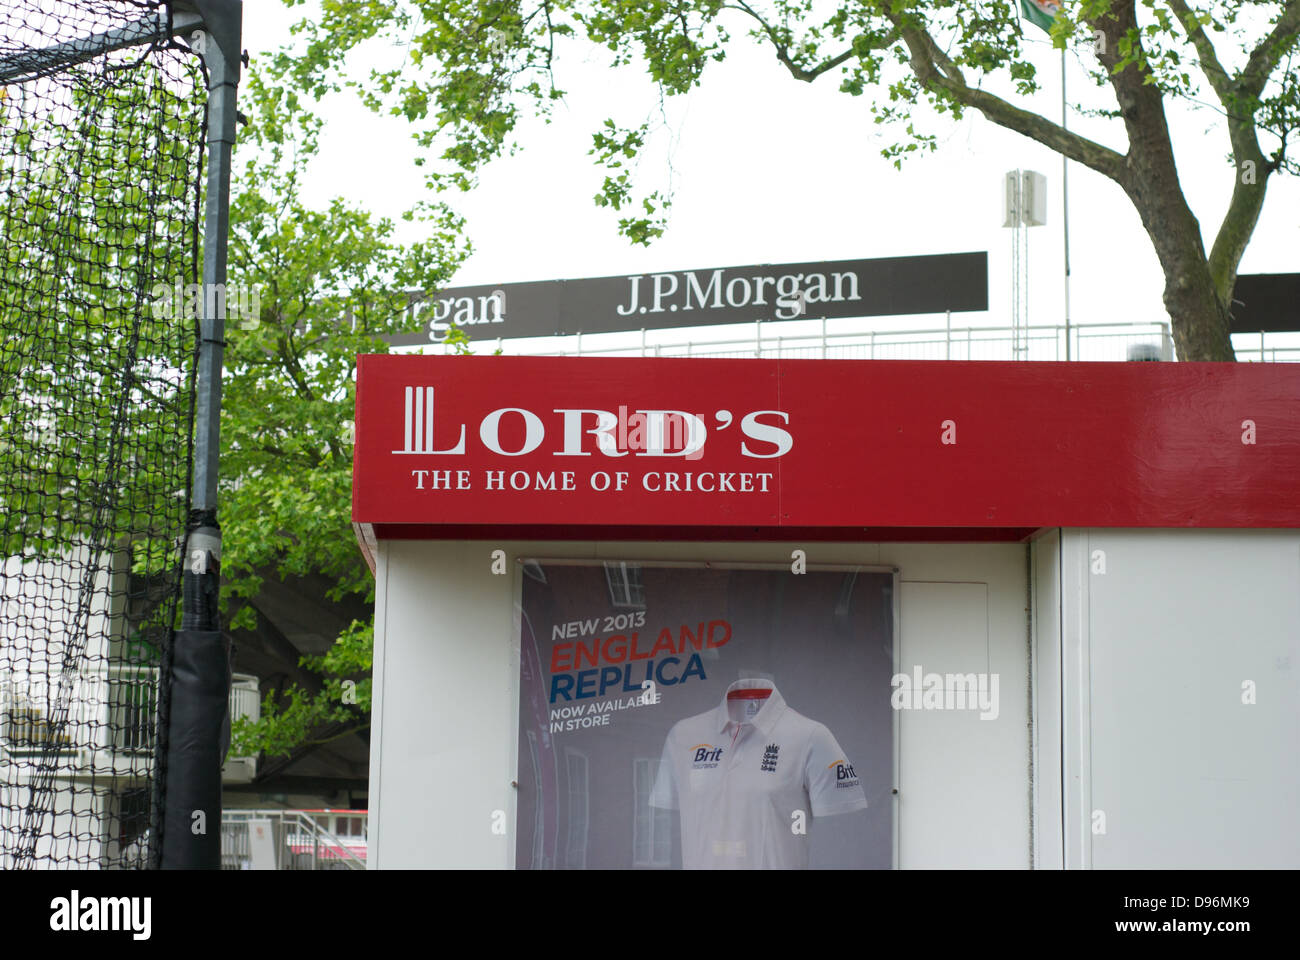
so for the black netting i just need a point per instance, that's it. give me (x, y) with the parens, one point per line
(100, 156)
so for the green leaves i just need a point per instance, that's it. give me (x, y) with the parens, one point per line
(330, 281)
(297, 718)
(616, 149)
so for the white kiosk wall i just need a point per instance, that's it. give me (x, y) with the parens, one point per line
(445, 717)
(1162, 653)
(1137, 697)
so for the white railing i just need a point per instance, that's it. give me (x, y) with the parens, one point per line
(1097, 341)
(1268, 354)
(285, 840)
(1087, 342)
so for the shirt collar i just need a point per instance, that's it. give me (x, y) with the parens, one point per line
(768, 714)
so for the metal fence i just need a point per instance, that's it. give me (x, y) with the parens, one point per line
(284, 840)
(1087, 342)
(1099, 341)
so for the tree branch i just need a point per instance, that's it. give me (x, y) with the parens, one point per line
(1221, 83)
(808, 76)
(1251, 169)
(782, 47)
(1264, 59)
(937, 72)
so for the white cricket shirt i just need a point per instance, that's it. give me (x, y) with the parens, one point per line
(739, 773)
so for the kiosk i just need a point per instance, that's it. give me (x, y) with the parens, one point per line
(651, 613)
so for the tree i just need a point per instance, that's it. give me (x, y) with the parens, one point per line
(475, 64)
(326, 284)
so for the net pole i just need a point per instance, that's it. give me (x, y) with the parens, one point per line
(198, 725)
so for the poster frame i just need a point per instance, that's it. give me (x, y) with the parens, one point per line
(711, 563)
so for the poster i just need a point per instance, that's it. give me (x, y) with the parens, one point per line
(695, 716)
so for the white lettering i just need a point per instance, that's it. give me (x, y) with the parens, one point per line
(490, 431)
(853, 285)
(76, 913)
(696, 433)
(946, 691)
(631, 306)
(788, 304)
(418, 424)
(816, 290)
(606, 423)
(714, 287)
(766, 433)
(661, 290)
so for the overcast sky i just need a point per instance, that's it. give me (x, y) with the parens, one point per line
(769, 170)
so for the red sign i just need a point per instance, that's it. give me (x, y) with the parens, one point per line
(666, 444)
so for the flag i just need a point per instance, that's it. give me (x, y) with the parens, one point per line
(1040, 13)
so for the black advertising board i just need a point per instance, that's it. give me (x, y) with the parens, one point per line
(1266, 302)
(890, 286)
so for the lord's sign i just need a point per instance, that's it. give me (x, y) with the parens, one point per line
(686, 298)
(583, 443)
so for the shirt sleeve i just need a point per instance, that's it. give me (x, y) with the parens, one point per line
(664, 793)
(833, 785)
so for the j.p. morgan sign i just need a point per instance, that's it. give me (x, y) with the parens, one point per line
(686, 298)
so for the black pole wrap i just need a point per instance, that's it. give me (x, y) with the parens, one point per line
(198, 727)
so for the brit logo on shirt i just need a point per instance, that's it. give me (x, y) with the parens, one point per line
(706, 756)
(769, 758)
(845, 775)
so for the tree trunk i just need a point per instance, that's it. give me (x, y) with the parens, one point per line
(1150, 178)
(1200, 322)
(1198, 318)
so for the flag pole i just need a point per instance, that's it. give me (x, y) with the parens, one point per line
(1065, 211)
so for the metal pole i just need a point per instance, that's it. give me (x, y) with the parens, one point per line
(27, 64)
(222, 81)
(1024, 295)
(1065, 212)
(947, 335)
(1015, 266)
(198, 720)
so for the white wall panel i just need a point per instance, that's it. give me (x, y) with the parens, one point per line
(1186, 774)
